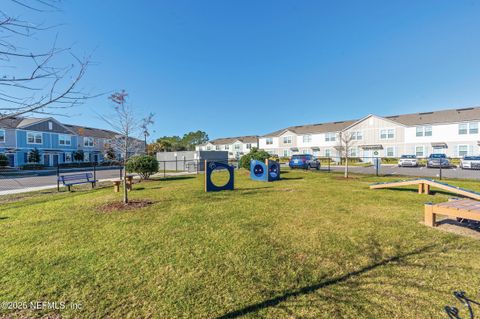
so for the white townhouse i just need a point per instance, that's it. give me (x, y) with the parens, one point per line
(454, 132)
(236, 146)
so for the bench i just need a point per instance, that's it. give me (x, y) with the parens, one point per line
(75, 179)
(459, 208)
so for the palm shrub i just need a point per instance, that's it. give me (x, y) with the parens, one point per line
(143, 165)
(254, 154)
(3, 160)
(34, 156)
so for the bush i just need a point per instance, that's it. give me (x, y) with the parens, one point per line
(255, 154)
(389, 160)
(34, 156)
(33, 167)
(143, 165)
(3, 160)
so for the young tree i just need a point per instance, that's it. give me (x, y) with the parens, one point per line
(109, 152)
(146, 122)
(47, 80)
(125, 124)
(345, 142)
(192, 139)
(34, 156)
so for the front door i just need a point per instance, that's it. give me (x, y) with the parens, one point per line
(46, 159)
(55, 160)
(95, 158)
(11, 160)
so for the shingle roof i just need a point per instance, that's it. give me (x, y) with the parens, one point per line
(10, 122)
(230, 140)
(436, 117)
(314, 128)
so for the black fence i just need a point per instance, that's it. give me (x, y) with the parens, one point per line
(190, 166)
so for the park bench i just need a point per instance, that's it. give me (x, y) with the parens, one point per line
(75, 179)
(459, 208)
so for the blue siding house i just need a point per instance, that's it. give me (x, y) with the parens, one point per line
(56, 142)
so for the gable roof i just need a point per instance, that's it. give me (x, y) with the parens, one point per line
(91, 132)
(314, 128)
(230, 140)
(437, 117)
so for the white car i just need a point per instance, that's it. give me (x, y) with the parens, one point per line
(470, 162)
(408, 160)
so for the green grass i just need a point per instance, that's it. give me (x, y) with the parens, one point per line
(312, 245)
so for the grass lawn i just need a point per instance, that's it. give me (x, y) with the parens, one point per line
(310, 246)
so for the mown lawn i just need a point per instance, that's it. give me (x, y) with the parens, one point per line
(310, 246)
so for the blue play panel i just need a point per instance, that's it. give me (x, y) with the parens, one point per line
(264, 172)
(212, 166)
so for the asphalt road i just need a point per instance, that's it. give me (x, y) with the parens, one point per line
(413, 171)
(17, 183)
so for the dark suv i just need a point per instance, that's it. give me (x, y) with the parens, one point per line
(305, 161)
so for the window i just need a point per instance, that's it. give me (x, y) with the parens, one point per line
(473, 128)
(419, 131)
(390, 152)
(227, 147)
(462, 129)
(423, 131)
(209, 148)
(327, 153)
(428, 131)
(34, 138)
(68, 157)
(387, 134)
(462, 150)
(330, 137)
(269, 141)
(217, 147)
(287, 140)
(248, 146)
(64, 140)
(357, 136)
(305, 152)
(50, 126)
(237, 147)
(353, 152)
(420, 151)
(88, 142)
(2, 136)
(307, 138)
(286, 153)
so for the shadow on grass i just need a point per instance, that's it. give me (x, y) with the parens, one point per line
(415, 190)
(273, 302)
(290, 178)
(3, 217)
(173, 178)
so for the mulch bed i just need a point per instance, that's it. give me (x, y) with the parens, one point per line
(121, 206)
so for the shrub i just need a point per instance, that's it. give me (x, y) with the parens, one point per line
(78, 155)
(3, 160)
(254, 154)
(34, 156)
(143, 165)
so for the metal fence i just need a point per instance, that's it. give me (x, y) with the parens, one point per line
(189, 166)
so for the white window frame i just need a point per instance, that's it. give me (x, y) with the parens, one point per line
(330, 137)
(34, 136)
(286, 153)
(269, 141)
(287, 139)
(387, 134)
(428, 130)
(248, 146)
(463, 129)
(227, 147)
(423, 151)
(2, 136)
(307, 138)
(467, 150)
(328, 152)
(64, 138)
(236, 147)
(419, 131)
(88, 142)
(217, 147)
(392, 148)
(473, 126)
(353, 152)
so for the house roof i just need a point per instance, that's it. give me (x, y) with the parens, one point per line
(230, 140)
(423, 118)
(314, 128)
(21, 122)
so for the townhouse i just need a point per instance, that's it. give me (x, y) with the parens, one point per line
(454, 132)
(235, 146)
(56, 142)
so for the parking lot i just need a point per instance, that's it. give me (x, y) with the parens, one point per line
(454, 172)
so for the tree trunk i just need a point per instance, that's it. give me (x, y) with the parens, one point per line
(346, 166)
(125, 190)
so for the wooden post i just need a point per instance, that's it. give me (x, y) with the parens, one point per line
(205, 170)
(426, 188)
(116, 186)
(420, 188)
(429, 215)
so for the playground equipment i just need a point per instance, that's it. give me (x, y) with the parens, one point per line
(462, 208)
(209, 168)
(424, 185)
(264, 172)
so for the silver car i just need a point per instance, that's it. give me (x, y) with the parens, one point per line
(408, 160)
(470, 162)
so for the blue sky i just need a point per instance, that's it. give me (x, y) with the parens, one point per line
(250, 67)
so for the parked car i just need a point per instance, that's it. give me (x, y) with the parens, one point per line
(408, 160)
(470, 162)
(305, 161)
(438, 160)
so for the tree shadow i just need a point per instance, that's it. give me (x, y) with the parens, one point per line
(173, 178)
(277, 301)
(4, 217)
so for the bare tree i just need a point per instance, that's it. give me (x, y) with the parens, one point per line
(33, 80)
(146, 122)
(127, 127)
(346, 141)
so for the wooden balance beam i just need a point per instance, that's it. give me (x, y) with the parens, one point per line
(462, 208)
(424, 185)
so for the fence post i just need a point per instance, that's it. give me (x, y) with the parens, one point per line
(184, 163)
(440, 169)
(329, 163)
(164, 168)
(176, 164)
(121, 175)
(377, 164)
(58, 177)
(196, 162)
(94, 174)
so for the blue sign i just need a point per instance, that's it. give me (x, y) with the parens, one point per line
(209, 168)
(264, 172)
